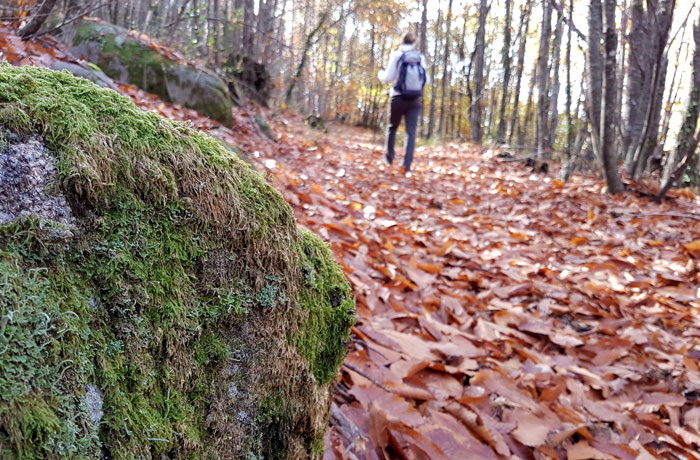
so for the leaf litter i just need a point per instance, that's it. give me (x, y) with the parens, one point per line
(502, 314)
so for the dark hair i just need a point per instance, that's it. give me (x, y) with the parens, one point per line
(409, 38)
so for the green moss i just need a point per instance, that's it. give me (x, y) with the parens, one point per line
(275, 420)
(43, 365)
(210, 348)
(317, 447)
(110, 151)
(4, 143)
(326, 295)
(179, 244)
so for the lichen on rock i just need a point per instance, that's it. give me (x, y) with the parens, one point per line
(185, 311)
(26, 173)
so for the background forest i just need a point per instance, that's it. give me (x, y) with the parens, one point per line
(516, 72)
(493, 303)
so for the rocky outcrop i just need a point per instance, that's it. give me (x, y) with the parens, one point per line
(127, 58)
(158, 300)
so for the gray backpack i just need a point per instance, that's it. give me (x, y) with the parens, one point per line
(412, 77)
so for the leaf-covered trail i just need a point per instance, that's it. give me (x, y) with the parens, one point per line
(502, 314)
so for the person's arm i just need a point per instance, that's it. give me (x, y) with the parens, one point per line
(424, 63)
(388, 74)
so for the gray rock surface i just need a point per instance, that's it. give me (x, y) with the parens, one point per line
(127, 59)
(27, 171)
(83, 71)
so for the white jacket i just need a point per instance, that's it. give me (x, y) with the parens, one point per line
(391, 72)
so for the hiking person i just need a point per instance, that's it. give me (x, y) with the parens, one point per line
(407, 68)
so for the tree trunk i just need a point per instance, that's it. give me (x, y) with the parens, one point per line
(445, 72)
(304, 54)
(431, 115)
(673, 90)
(595, 65)
(650, 50)
(522, 38)
(501, 134)
(566, 169)
(37, 20)
(424, 51)
(479, 48)
(529, 109)
(249, 29)
(543, 78)
(554, 98)
(685, 154)
(604, 140)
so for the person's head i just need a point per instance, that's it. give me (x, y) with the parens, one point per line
(408, 39)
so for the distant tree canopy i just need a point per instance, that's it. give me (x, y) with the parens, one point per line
(516, 72)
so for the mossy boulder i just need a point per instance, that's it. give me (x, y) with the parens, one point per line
(126, 58)
(157, 299)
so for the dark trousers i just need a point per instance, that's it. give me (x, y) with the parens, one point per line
(411, 109)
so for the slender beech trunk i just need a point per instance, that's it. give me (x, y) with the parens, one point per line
(685, 154)
(445, 73)
(304, 54)
(566, 169)
(554, 98)
(543, 78)
(479, 48)
(501, 134)
(431, 115)
(462, 54)
(673, 90)
(603, 133)
(522, 38)
(524, 128)
(424, 50)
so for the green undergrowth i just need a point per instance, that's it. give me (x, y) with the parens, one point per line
(179, 249)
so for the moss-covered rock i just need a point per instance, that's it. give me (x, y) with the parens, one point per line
(127, 59)
(177, 313)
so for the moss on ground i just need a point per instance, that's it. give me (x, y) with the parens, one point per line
(185, 294)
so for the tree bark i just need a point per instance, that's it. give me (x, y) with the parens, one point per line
(565, 171)
(431, 115)
(554, 98)
(304, 54)
(476, 102)
(522, 38)
(37, 20)
(445, 73)
(529, 111)
(604, 140)
(685, 153)
(424, 51)
(543, 77)
(649, 47)
(501, 133)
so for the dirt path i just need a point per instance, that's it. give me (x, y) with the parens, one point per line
(502, 314)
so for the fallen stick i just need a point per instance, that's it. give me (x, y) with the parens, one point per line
(363, 374)
(661, 214)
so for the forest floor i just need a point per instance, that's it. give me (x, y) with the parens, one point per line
(501, 313)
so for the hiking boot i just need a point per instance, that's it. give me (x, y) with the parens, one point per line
(388, 159)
